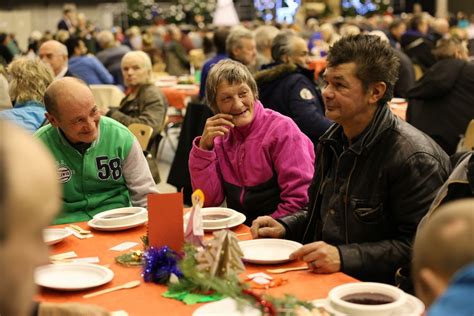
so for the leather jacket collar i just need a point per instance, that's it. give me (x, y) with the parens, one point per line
(383, 120)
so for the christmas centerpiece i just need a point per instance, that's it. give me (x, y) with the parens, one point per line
(208, 270)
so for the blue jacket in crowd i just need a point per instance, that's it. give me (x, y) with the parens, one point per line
(90, 69)
(458, 298)
(29, 115)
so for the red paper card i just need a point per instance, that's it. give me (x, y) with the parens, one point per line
(165, 220)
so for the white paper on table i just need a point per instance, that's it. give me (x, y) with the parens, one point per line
(86, 260)
(261, 280)
(76, 233)
(62, 256)
(261, 275)
(124, 246)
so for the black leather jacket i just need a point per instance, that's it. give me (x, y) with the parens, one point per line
(367, 198)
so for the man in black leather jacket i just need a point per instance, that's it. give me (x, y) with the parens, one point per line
(375, 175)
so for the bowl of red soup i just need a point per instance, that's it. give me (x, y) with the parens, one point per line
(367, 299)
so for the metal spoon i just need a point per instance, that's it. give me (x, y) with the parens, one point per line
(127, 285)
(283, 270)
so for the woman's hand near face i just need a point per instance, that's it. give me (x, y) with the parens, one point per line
(218, 125)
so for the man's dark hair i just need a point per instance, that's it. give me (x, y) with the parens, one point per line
(375, 60)
(71, 44)
(219, 39)
(3, 37)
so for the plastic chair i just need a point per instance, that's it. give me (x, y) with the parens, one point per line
(143, 133)
(173, 121)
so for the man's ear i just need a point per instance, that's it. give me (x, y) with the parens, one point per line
(433, 282)
(52, 120)
(377, 91)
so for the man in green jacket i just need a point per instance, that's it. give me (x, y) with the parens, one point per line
(99, 162)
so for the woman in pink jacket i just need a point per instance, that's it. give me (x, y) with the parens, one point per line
(255, 158)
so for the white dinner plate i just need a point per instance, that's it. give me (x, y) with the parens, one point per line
(268, 251)
(236, 221)
(72, 276)
(97, 226)
(226, 307)
(52, 236)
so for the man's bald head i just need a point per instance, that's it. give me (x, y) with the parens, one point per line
(30, 199)
(443, 246)
(445, 243)
(54, 54)
(71, 107)
(64, 91)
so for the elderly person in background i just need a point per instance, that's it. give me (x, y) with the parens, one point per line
(241, 46)
(264, 36)
(99, 162)
(55, 54)
(29, 79)
(86, 67)
(144, 102)
(287, 86)
(443, 260)
(375, 175)
(255, 158)
(24, 212)
(111, 55)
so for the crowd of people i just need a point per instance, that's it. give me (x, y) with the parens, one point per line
(319, 158)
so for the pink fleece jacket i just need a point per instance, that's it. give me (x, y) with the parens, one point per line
(271, 146)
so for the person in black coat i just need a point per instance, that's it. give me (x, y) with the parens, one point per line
(287, 86)
(441, 102)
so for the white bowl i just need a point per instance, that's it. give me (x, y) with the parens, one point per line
(121, 216)
(217, 216)
(336, 294)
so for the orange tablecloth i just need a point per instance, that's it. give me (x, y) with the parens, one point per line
(178, 96)
(146, 299)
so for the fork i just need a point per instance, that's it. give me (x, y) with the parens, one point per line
(283, 270)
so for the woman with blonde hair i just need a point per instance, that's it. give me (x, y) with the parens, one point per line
(28, 79)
